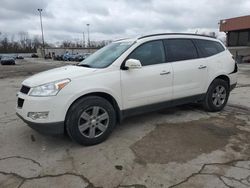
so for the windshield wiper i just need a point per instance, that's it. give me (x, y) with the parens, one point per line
(83, 65)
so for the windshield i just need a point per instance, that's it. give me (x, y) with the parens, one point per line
(106, 55)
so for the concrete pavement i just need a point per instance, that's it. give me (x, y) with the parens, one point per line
(178, 147)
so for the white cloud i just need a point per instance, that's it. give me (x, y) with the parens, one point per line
(111, 19)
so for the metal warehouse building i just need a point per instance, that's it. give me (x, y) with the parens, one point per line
(238, 35)
(61, 51)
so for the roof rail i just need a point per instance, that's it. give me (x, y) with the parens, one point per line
(159, 34)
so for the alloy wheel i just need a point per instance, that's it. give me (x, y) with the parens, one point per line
(219, 95)
(93, 122)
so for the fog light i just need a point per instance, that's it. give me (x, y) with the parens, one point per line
(38, 115)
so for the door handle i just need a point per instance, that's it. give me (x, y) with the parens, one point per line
(202, 67)
(165, 72)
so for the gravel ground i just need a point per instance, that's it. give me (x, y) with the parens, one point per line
(29, 66)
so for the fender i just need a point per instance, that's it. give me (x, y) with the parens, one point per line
(216, 76)
(89, 91)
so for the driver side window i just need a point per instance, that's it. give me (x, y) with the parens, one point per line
(149, 53)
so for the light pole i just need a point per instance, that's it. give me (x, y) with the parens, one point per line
(43, 46)
(83, 39)
(88, 35)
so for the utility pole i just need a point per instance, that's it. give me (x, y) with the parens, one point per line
(88, 35)
(43, 46)
(83, 39)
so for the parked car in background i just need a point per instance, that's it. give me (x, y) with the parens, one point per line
(34, 55)
(125, 78)
(19, 57)
(8, 61)
(66, 56)
(86, 55)
(79, 58)
(74, 57)
(59, 57)
(16, 56)
(47, 56)
(82, 57)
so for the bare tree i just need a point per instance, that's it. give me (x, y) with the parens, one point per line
(22, 43)
(66, 44)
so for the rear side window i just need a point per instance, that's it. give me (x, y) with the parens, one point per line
(180, 49)
(149, 53)
(208, 48)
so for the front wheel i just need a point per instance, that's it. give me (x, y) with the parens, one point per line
(90, 120)
(217, 95)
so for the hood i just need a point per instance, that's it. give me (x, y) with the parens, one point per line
(69, 71)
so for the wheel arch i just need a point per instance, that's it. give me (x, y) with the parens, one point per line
(104, 95)
(220, 76)
(225, 78)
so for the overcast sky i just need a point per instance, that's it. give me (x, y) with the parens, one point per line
(113, 19)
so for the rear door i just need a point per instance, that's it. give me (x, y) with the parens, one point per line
(190, 71)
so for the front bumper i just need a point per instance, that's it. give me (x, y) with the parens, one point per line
(45, 128)
(53, 124)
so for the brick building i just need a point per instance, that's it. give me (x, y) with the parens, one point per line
(238, 35)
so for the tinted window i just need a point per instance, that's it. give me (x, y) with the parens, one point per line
(243, 38)
(149, 53)
(208, 48)
(180, 49)
(238, 38)
(233, 38)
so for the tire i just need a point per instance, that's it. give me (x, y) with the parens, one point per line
(217, 96)
(94, 116)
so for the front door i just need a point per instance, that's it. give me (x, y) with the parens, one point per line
(150, 84)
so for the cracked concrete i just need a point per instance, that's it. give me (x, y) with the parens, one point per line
(66, 179)
(179, 147)
(224, 172)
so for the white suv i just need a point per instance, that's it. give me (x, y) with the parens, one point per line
(125, 78)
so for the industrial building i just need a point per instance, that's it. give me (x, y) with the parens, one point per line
(61, 51)
(238, 36)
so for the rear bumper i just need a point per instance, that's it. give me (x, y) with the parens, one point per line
(45, 128)
(233, 80)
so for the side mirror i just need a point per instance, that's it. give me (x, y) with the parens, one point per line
(133, 64)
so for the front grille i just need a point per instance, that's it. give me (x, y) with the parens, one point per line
(25, 89)
(20, 102)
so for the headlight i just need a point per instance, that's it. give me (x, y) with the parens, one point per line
(49, 89)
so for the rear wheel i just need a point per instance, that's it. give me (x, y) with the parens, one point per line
(217, 96)
(90, 120)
